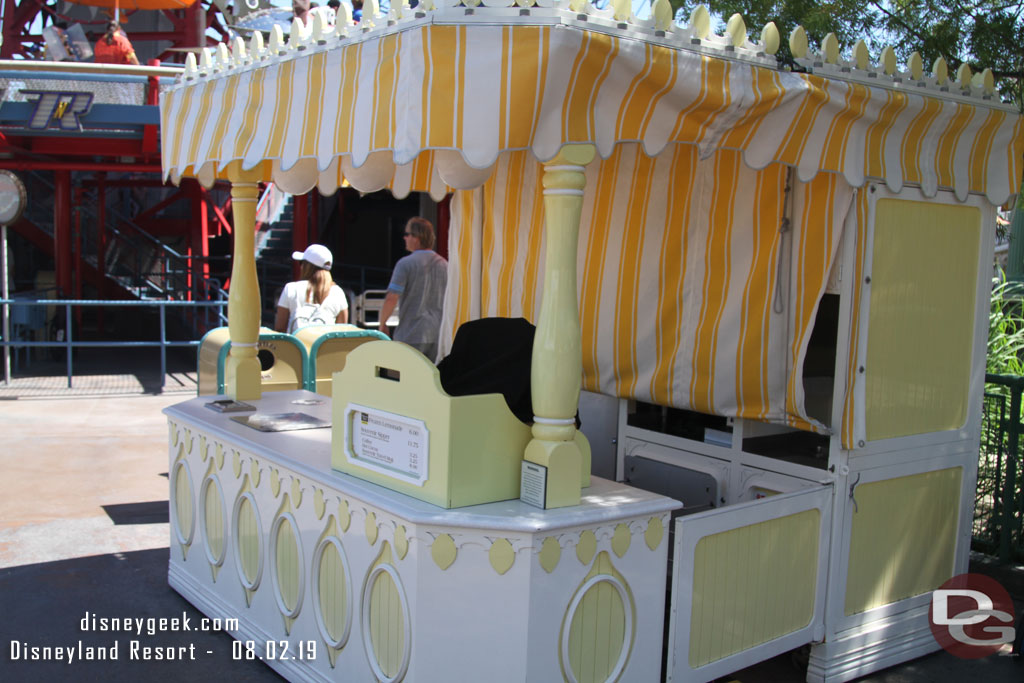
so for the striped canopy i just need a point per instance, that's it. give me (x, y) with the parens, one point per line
(430, 106)
(694, 290)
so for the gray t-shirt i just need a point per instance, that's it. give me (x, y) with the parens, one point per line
(420, 280)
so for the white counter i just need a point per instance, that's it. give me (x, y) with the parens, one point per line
(364, 582)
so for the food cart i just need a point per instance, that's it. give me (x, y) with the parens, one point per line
(782, 275)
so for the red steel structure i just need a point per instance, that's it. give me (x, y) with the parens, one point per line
(82, 160)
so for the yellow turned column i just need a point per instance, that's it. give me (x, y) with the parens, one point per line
(557, 364)
(243, 368)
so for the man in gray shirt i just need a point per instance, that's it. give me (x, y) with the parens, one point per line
(417, 287)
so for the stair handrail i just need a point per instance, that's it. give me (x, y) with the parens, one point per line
(167, 252)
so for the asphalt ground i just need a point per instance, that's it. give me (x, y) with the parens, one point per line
(84, 534)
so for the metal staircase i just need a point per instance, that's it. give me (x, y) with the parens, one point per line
(135, 262)
(275, 221)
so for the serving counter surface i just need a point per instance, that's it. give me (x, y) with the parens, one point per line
(383, 585)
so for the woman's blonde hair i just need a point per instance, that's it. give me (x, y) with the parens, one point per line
(320, 282)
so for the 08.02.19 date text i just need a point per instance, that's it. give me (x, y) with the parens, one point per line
(280, 650)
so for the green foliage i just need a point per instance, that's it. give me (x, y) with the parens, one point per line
(1006, 330)
(983, 33)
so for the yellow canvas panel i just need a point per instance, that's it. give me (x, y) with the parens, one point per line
(921, 318)
(683, 300)
(903, 538)
(753, 584)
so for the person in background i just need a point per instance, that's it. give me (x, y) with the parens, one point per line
(315, 299)
(417, 287)
(114, 47)
(333, 6)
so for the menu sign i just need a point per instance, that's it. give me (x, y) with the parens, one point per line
(390, 444)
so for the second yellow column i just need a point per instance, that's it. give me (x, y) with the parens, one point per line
(557, 364)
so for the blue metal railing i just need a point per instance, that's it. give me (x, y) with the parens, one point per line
(69, 344)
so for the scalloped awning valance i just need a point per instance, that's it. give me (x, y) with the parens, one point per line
(431, 106)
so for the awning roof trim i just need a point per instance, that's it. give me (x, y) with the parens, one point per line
(956, 138)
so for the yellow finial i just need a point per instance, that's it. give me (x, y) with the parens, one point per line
(223, 56)
(830, 48)
(238, 50)
(988, 81)
(916, 66)
(770, 38)
(256, 44)
(861, 57)
(276, 45)
(798, 42)
(963, 76)
(621, 10)
(888, 60)
(700, 22)
(941, 71)
(662, 11)
(736, 29)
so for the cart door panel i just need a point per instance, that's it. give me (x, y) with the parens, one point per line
(748, 583)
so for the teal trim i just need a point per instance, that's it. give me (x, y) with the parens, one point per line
(268, 336)
(310, 383)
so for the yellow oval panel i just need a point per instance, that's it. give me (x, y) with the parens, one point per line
(248, 535)
(288, 570)
(213, 521)
(183, 514)
(387, 625)
(597, 634)
(333, 593)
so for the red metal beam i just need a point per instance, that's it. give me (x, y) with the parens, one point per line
(221, 214)
(59, 166)
(199, 239)
(17, 20)
(64, 147)
(62, 230)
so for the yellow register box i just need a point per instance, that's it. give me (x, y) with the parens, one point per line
(394, 425)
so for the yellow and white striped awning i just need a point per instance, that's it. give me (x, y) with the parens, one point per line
(692, 292)
(430, 106)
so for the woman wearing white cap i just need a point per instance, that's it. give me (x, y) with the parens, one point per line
(315, 299)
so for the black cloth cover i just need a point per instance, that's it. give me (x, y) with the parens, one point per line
(492, 356)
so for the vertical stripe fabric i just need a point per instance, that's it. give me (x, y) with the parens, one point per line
(691, 295)
(453, 97)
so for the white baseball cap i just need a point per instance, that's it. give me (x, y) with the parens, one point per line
(317, 254)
